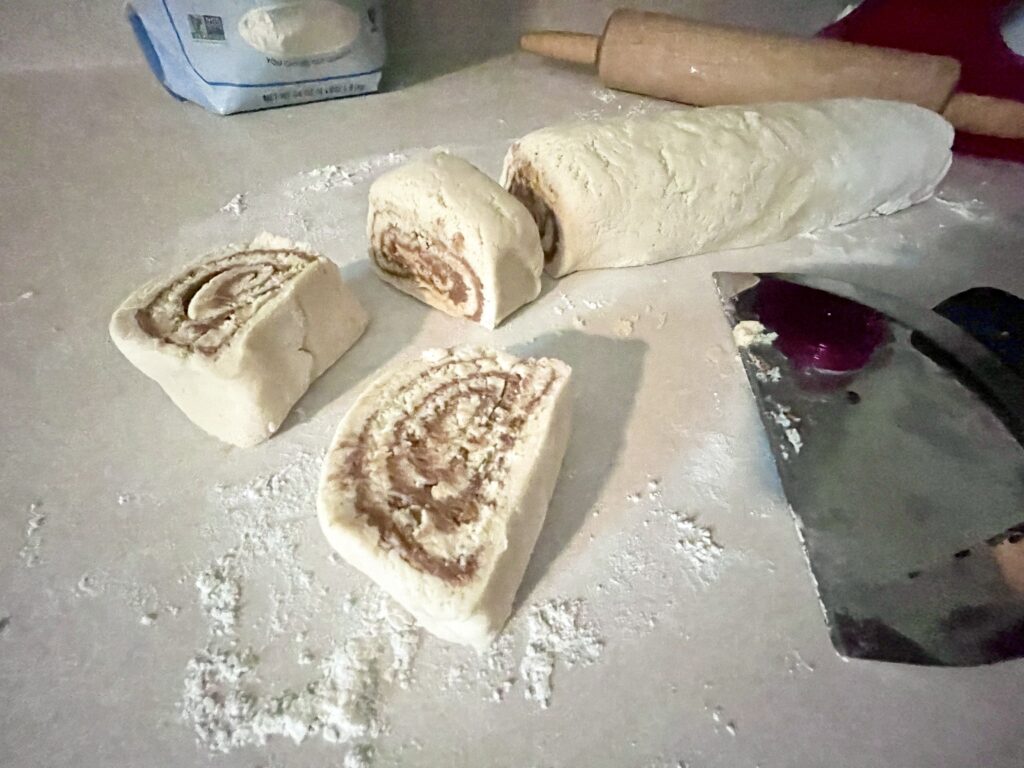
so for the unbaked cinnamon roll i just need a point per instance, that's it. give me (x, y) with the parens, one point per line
(439, 478)
(236, 338)
(444, 232)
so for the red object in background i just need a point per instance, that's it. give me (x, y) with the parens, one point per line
(968, 30)
(818, 330)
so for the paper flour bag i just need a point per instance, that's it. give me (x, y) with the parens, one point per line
(238, 55)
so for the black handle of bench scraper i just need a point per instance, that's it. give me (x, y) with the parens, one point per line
(995, 319)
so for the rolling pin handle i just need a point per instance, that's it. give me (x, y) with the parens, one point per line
(564, 46)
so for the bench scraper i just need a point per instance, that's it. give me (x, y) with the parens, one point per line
(897, 434)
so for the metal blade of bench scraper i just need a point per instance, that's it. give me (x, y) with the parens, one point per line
(904, 470)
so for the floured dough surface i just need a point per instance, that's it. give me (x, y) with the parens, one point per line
(629, 191)
(446, 233)
(438, 481)
(236, 338)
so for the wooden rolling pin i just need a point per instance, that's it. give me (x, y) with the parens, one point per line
(655, 54)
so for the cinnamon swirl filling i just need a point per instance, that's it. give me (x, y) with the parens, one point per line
(438, 268)
(205, 307)
(430, 465)
(524, 185)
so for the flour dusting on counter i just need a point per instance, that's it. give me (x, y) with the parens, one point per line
(235, 696)
(330, 176)
(557, 634)
(23, 296)
(230, 698)
(697, 544)
(971, 210)
(236, 205)
(29, 552)
(220, 594)
(226, 701)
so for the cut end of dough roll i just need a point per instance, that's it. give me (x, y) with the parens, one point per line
(236, 338)
(438, 480)
(446, 233)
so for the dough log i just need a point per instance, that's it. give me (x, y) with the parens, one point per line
(236, 338)
(630, 191)
(438, 481)
(446, 233)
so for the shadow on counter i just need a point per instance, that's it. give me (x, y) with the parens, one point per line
(606, 375)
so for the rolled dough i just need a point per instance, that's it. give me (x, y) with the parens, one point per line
(629, 191)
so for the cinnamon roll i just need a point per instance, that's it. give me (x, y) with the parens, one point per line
(236, 338)
(444, 232)
(439, 478)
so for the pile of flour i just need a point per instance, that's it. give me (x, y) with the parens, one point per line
(228, 707)
(557, 634)
(229, 698)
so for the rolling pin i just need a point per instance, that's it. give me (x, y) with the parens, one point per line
(655, 54)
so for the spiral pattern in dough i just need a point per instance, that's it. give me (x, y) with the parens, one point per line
(429, 464)
(205, 307)
(438, 268)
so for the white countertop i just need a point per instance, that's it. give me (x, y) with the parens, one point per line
(105, 182)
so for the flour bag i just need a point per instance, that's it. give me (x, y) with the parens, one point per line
(238, 55)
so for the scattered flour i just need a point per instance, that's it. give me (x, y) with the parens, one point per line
(557, 634)
(603, 95)
(331, 176)
(711, 466)
(702, 556)
(359, 756)
(796, 664)
(697, 544)
(236, 205)
(498, 671)
(720, 719)
(654, 557)
(23, 296)
(88, 586)
(751, 333)
(640, 108)
(785, 418)
(220, 594)
(228, 705)
(626, 325)
(29, 552)
(971, 210)
(230, 698)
